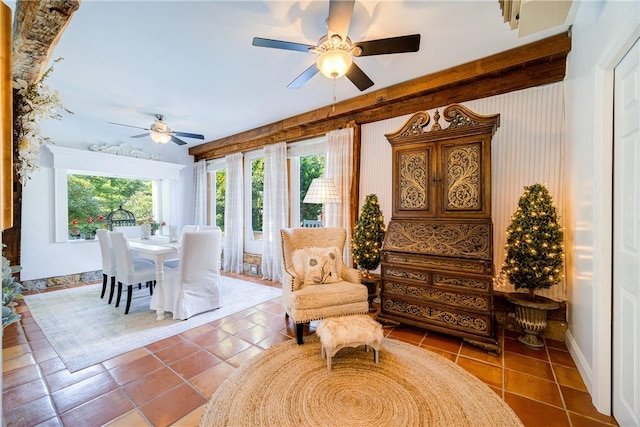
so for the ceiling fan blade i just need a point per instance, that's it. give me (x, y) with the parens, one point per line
(120, 124)
(340, 17)
(358, 77)
(178, 140)
(189, 135)
(303, 78)
(279, 44)
(399, 44)
(141, 135)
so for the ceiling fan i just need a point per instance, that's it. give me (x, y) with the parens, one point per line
(336, 51)
(159, 131)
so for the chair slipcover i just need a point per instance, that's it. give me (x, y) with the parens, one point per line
(131, 231)
(304, 303)
(193, 287)
(128, 272)
(175, 262)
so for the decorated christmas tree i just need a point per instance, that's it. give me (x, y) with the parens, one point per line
(534, 242)
(368, 235)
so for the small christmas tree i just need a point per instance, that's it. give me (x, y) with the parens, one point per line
(534, 242)
(368, 235)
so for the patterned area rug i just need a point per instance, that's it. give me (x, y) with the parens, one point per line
(85, 330)
(289, 385)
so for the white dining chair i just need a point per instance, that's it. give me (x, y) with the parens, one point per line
(108, 266)
(128, 272)
(175, 262)
(193, 287)
(131, 231)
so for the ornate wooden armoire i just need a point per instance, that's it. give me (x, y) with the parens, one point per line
(437, 256)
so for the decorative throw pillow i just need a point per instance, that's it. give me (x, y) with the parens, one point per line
(316, 266)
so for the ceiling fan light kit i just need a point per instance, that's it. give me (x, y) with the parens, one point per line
(160, 132)
(335, 56)
(160, 138)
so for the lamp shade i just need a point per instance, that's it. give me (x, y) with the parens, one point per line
(322, 190)
(334, 63)
(160, 138)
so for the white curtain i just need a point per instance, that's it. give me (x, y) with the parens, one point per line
(275, 212)
(233, 217)
(340, 169)
(200, 192)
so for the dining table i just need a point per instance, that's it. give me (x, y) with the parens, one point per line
(158, 249)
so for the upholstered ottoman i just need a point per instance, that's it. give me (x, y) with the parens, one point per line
(348, 331)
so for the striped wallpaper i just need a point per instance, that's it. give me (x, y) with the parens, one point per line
(528, 147)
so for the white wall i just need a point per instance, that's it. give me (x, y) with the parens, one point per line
(41, 257)
(602, 32)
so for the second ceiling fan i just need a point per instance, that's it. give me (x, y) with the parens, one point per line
(160, 132)
(336, 51)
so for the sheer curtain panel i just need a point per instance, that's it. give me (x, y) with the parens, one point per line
(233, 225)
(275, 212)
(340, 169)
(200, 192)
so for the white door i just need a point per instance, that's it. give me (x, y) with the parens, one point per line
(626, 241)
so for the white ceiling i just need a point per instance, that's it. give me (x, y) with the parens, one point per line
(193, 60)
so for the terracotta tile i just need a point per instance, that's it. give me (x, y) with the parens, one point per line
(558, 345)
(477, 353)
(12, 340)
(50, 366)
(532, 387)
(51, 422)
(561, 358)
(569, 377)
(45, 353)
(228, 347)
(192, 333)
(31, 413)
(511, 334)
(83, 391)
(130, 419)
(23, 393)
(258, 317)
(208, 381)
(515, 346)
(30, 326)
(536, 414)
(236, 326)
(20, 376)
(275, 323)
(63, 378)
(490, 374)
(410, 335)
(443, 342)
(15, 351)
(128, 372)
(102, 410)
(146, 388)
(35, 335)
(272, 340)
(451, 356)
(192, 418)
(173, 405)
(167, 342)
(244, 355)
(580, 402)
(195, 363)
(578, 420)
(18, 362)
(209, 338)
(125, 358)
(176, 352)
(255, 334)
(528, 365)
(40, 344)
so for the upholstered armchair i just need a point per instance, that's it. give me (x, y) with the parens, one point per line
(316, 282)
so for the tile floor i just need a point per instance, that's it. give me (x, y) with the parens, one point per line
(168, 383)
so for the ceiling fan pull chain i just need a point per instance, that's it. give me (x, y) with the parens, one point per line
(333, 106)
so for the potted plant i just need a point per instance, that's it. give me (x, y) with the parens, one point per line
(534, 260)
(10, 292)
(153, 224)
(90, 227)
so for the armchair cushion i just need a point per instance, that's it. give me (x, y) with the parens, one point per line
(329, 295)
(317, 265)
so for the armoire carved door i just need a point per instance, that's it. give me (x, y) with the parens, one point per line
(437, 256)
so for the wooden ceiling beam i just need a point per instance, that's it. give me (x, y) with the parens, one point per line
(535, 64)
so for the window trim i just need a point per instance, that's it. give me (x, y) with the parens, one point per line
(84, 162)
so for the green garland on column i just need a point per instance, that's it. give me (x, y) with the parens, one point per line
(368, 235)
(534, 246)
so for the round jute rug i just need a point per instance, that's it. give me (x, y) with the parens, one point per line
(289, 385)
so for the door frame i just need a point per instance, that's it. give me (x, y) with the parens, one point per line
(601, 390)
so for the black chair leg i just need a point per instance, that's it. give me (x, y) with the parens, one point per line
(299, 327)
(119, 294)
(150, 285)
(104, 285)
(113, 288)
(129, 292)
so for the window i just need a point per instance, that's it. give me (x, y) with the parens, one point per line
(91, 197)
(307, 161)
(253, 202)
